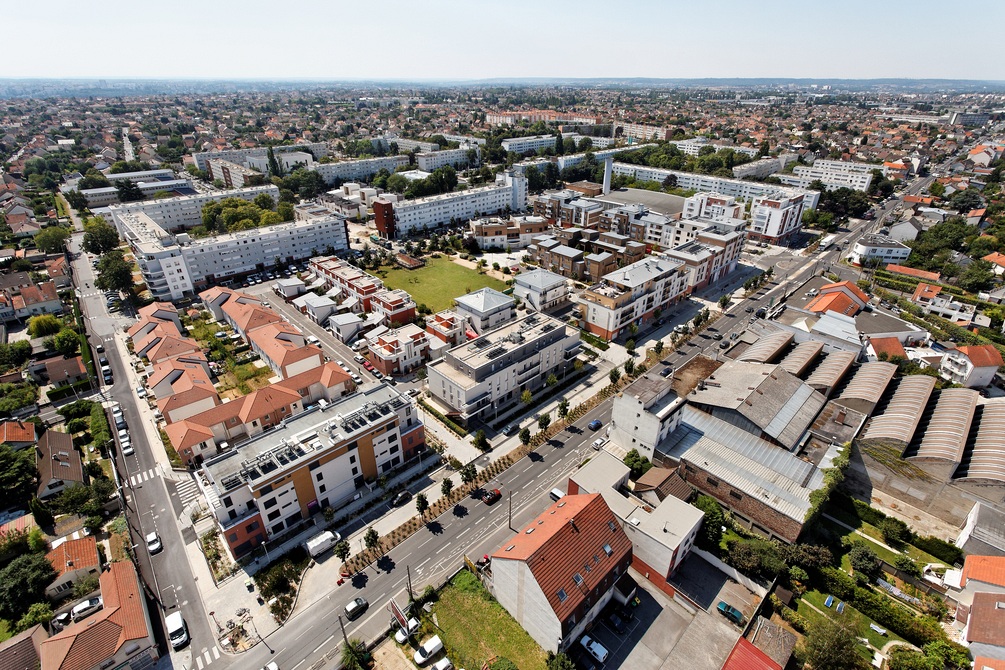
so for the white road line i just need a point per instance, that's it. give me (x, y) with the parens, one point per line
(463, 532)
(330, 637)
(442, 549)
(198, 662)
(208, 659)
(216, 653)
(299, 664)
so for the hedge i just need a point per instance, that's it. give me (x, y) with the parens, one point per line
(61, 392)
(444, 420)
(944, 551)
(590, 338)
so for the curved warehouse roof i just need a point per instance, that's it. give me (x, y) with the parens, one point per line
(868, 384)
(831, 371)
(767, 348)
(987, 456)
(900, 419)
(945, 434)
(797, 360)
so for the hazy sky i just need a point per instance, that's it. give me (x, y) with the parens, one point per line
(474, 39)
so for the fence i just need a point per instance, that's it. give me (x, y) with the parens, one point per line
(740, 578)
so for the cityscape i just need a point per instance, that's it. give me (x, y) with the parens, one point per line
(535, 365)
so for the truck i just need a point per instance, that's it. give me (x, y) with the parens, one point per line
(321, 543)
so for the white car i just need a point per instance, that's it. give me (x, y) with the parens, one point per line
(442, 664)
(358, 358)
(429, 648)
(89, 607)
(154, 544)
(141, 392)
(401, 636)
(595, 649)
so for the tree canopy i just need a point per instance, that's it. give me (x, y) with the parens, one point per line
(99, 236)
(52, 240)
(114, 273)
(22, 583)
(17, 476)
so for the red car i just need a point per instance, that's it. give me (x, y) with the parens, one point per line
(491, 497)
(368, 365)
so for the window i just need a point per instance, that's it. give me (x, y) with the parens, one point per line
(578, 578)
(274, 515)
(711, 481)
(322, 488)
(355, 471)
(319, 476)
(562, 595)
(735, 495)
(608, 550)
(315, 465)
(271, 502)
(610, 524)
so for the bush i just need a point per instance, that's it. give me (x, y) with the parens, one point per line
(895, 532)
(944, 551)
(907, 564)
(503, 664)
(864, 560)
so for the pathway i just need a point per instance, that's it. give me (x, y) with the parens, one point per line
(858, 532)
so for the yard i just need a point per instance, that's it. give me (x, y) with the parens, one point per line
(438, 283)
(475, 628)
(858, 621)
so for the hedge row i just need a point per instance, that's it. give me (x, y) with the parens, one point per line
(61, 392)
(460, 432)
(590, 338)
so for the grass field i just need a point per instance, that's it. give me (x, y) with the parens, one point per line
(438, 282)
(858, 621)
(918, 555)
(475, 628)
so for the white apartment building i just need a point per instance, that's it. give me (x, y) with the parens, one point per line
(638, 131)
(764, 167)
(233, 174)
(776, 218)
(530, 143)
(175, 265)
(457, 158)
(541, 289)
(833, 174)
(288, 160)
(404, 217)
(465, 139)
(483, 377)
(571, 160)
(516, 232)
(736, 188)
(181, 213)
(403, 144)
(693, 147)
(632, 295)
(485, 309)
(715, 206)
(358, 170)
(645, 414)
(399, 351)
(878, 247)
(109, 195)
(239, 156)
(142, 176)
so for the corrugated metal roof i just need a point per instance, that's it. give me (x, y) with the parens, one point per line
(900, 419)
(945, 434)
(795, 416)
(987, 456)
(869, 382)
(831, 371)
(767, 348)
(797, 360)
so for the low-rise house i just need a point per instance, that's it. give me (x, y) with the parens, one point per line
(399, 351)
(879, 249)
(58, 272)
(18, 434)
(64, 371)
(997, 261)
(289, 288)
(645, 414)
(841, 297)
(189, 394)
(285, 349)
(317, 307)
(119, 635)
(34, 300)
(972, 366)
(73, 560)
(984, 632)
(886, 349)
(556, 576)
(913, 272)
(58, 464)
(21, 652)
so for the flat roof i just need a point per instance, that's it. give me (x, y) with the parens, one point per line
(514, 334)
(662, 203)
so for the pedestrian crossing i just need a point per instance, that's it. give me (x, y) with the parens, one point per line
(188, 491)
(146, 475)
(206, 657)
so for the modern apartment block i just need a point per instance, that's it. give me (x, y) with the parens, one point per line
(177, 214)
(448, 327)
(406, 217)
(567, 208)
(737, 188)
(515, 232)
(634, 294)
(535, 115)
(776, 218)
(233, 174)
(355, 286)
(833, 174)
(693, 147)
(645, 414)
(403, 144)
(362, 169)
(715, 206)
(321, 458)
(239, 156)
(644, 133)
(485, 309)
(457, 158)
(878, 248)
(522, 145)
(177, 265)
(763, 167)
(712, 255)
(540, 289)
(109, 195)
(399, 351)
(482, 378)
(394, 306)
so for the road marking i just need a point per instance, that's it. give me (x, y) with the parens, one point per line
(330, 637)
(299, 664)
(216, 653)
(463, 532)
(442, 549)
(208, 659)
(198, 662)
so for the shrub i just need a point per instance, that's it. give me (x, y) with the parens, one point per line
(942, 550)
(907, 564)
(895, 532)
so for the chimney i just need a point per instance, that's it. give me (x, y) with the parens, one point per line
(572, 522)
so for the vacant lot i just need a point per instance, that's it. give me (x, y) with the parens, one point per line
(438, 283)
(474, 628)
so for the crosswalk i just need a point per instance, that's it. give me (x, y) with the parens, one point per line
(146, 475)
(187, 490)
(206, 656)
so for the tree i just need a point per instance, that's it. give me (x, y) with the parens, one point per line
(371, 538)
(341, 550)
(17, 476)
(936, 189)
(44, 324)
(563, 408)
(638, 463)
(76, 199)
(895, 532)
(829, 646)
(559, 661)
(525, 436)
(978, 276)
(629, 367)
(658, 347)
(264, 201)
(43, 517)
(905, 563)
(354, 654)
(964, 201)
(285, 210)
(670, 182)
(905, 658)
(526, 397)
(23, 582)
(421, 504)
(128, 190)
(468, 473)
(711, 529)
(863, 559)
(725, 300)
(52, 240)
(480, 442)
(99, 237)
(551, 380)
(38, 613)
(559, 145)
(544, 421)
(66, 342)
(614, 375)
(446, 486)
(114, 273)
(630, 346)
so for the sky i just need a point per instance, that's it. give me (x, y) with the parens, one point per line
(424, 40)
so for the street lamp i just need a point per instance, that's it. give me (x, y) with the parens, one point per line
(251, 620)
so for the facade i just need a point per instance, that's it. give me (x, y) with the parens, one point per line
(516, 232)
(533, 143)
(109, 195)
(448, 327)
(693, 147)
(833, 174)
(480, 378)
(486, 309)
(322, 458)
(567, 208)
(400, 351)
(972, 366)
(556, 577)
(457, 158)
(361, 170)
(234, 175)
(408, 217)
(633, 295)
(776, 218)
(181, 213)
(316, 149)
(394, 307)
(878, 248)
(644, 133)
(540, 289)
(645, 414)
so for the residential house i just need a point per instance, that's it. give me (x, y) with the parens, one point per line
(39, 299)
(285, 349)
(164, 311)
(119, 635)
(214, 298)
(905, 229)
(18, 434)
(65, 371)
(486, 309)
(878, 248)
(841, 297)
(447, 327)
(58, 464)
(913, 272)
(885, 349)
(972, 366)
(997, 261)
(556, 575)
(73, 560)
(317, 307)
(399, 351)
(58, 272)
(21, 651)
(540, 289)
(984, 632)
(189, 394)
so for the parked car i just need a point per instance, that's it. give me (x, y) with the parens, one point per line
(127, 449)
(154, 543)
(401, 636)
(402, 498)
(598, 444)
(141, 392)
(616, 624)
(355, 609)
(358, 358)
(730, 612)
(368, 366)
(356, 378)
(716, 336)
(427, 650)
(595, 424)
(86, 608)
(377, 373)
(442, 664)
(594, 648)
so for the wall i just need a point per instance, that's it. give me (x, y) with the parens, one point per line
(739, 577)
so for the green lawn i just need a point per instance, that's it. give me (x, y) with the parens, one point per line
(438, 282)
(475, 628)
(918, 555)
(858, 621)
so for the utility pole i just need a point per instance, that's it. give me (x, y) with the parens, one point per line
(511, 510)
(342, 626)
(408, 574)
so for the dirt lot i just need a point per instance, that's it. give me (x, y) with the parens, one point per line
(686, 378)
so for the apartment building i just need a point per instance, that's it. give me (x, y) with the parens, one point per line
(181, 213)
(516, 232)
(482, 378)
(548, 252)
(449, 328)
(972, 366)
(355, 286)
(109, 195)
(456, 158)
(713, 254)
(645, 414)
(534, 143)
(403, 144)
(535, 115)
(233, 174)
(642, 132)
(737, 188)
(693, 147)
(394, 307)
(567, 208)
(176, 265)
(322, 458)
(714, 206)
(776, 218)
(833, 174)
(763, 167)
(465, 139)
(142, 176)
(317, 150)
(399, 351)
(485, 309)
(878, 248)
(540, 289)
(407, 217)
(360, 170)
(634, 294)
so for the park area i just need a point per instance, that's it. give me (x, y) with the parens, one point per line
(438, 283)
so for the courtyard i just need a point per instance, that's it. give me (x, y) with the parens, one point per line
(438, 282)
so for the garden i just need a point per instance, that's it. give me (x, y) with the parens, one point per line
(437, 283)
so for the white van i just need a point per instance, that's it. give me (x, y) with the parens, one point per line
(556, 494)
(321, 543)
(177, 630)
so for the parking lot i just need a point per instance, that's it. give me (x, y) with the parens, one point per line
(662, 635)
(707, 586)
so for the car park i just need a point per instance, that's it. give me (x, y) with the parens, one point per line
(594, 648)
(355, 609)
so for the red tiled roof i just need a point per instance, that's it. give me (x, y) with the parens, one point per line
(891, 346)
(172, 347)
(912, 272)
(17, 431)
(925, 291)
(982, 355)
(74, 555)
(556, 545)
(745, 656)
(328, 375)
(846, 285)
(986, 624)
(187, 433)
(833, 302)
(987, 569)
(996, 258)
(985, 663)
